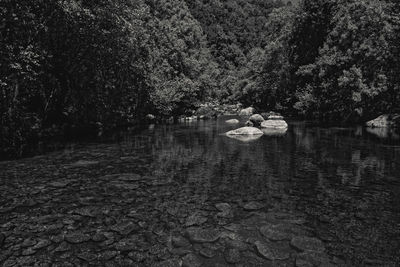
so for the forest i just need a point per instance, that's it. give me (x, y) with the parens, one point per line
(89, 64)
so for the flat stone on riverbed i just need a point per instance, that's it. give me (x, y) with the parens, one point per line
(59, 184)
(199, 235)
(232, 255)
(125, 228)
(304, 243)
(87, 256)
(225, 210)
(253, 206)
(312, 258)
(275, 232)
(84, 163)
(195, 219)
(126, 245)
(207, 253)
(168, 263)
(124, 185)
(270, 253)
(41, 244)
(180, 241)
(2, 239)
(107, 255)
(77, 237)
(122, 177)
(85, 211)
(191, 260)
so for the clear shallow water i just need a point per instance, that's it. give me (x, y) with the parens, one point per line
(311, 195)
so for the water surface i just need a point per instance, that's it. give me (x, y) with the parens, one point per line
(188, 194)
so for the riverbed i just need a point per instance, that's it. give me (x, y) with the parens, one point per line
(186, 194)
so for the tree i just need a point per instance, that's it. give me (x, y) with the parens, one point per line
(348, 79)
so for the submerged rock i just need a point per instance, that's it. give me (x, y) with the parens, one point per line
(305, 243)
(311, 258)
(232, 255)
(275, 232)
(245, 131)
(207, 253)
(195, 219)
(257, 119)
(270, 253)
(125, 228)
(253, 206)
(200, 235)
(191, 260)
(84, 163)
(247, 111)
(225, 210)
(77, 237)
(87, 256)
(107, 255)
(232, 121)
(2, 239)
(168, 263)
(277, 124)
(180, 241)
(41, 244)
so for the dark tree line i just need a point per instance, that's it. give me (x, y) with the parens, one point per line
(67, 64)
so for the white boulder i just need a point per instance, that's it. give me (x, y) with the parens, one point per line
(247, 111)
(257, 119)
(245, 131)
(277, 124)
(380, 122)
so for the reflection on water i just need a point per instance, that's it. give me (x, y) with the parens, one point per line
(274, 131)
(339, 185)
(244, 138)
(383, 132)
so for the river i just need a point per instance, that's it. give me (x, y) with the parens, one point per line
(187, 194)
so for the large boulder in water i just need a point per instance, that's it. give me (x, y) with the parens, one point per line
(245, 131)
(256, 119)
(247, 111)
(380, 122)
(384, 121)
(276, 124)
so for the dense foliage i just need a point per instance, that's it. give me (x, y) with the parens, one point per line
(68, 64)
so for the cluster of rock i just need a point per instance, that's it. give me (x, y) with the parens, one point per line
(140, 222)
(204, 112)
(213, 110)
(269, 123)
